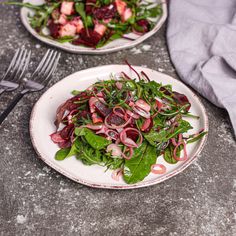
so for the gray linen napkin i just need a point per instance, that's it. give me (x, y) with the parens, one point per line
(201, 37)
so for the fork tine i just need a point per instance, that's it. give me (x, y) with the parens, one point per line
(47, 62)
(50, 65)
(41, 63)
(16, 66)
(12, 63)
(52, 69)
(25, 65)
(21, 65)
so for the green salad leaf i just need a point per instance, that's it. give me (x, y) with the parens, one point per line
(139, 166)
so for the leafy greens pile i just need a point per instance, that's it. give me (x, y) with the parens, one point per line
(92, 23)
(125, 124)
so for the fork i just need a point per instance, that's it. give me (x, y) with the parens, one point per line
(38, 80)
(16, 70)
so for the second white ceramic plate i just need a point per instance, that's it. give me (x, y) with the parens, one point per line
(43, 116)
(113, 46)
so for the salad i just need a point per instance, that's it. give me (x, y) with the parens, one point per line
(125, 124)
(92, 23)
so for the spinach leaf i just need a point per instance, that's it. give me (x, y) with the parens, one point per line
(139, 166)
(95, 141)
(62, 154)
(168, 154)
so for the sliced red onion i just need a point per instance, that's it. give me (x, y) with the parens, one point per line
(143, 105)
(117, 141)
(119, 85)
(128, 141)
(147, 125)
(114, 149)
(174, 142)
(116, 112)
(141, 112)
(70, 115)
(131, 152)
(185, 157)
(131, 114)
(56, 137)
(116, 174)
(112, 134)
(94, 127)
(158, 169)
(92, 101)
(103, 130)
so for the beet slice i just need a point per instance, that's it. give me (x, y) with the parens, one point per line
(143, 26)
(89, 6)
(54, 29)
(65, 144)
(181, 99)
(115, 120)
(102, 109)
(67, 131)
(106, 12)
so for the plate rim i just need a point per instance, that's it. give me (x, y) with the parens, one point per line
(72, 48)
(111, 186)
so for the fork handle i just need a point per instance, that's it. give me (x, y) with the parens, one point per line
(10, 107)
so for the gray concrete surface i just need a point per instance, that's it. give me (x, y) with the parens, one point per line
(36, 200)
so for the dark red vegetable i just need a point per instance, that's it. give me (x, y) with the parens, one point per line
(88, 37)
(181, 99)
(143, 26)
(89, 6)
(54, 29)
(102, 109)
(106, 12)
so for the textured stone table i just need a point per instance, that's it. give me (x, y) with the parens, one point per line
(36, 200)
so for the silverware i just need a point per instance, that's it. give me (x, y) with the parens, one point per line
(16, 70)
(38, 80)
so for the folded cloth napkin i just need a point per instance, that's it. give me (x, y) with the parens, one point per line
(201, 37)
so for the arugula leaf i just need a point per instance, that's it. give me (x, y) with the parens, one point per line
(28, 5)
(80, 8)
(154, 137)
(139, 166)
(65, 39)
(87, 154)
(192, 140)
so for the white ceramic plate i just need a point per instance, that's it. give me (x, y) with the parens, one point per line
(113, 46)
(43, 115)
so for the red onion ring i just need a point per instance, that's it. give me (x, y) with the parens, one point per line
(141, 112)
(129, 142)
(131, 152)
(94, 127)
(131, 114)
(115, 150)
(119, 85)
(161, 169)
(143, 105)
(118, 113)
(115, 136)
